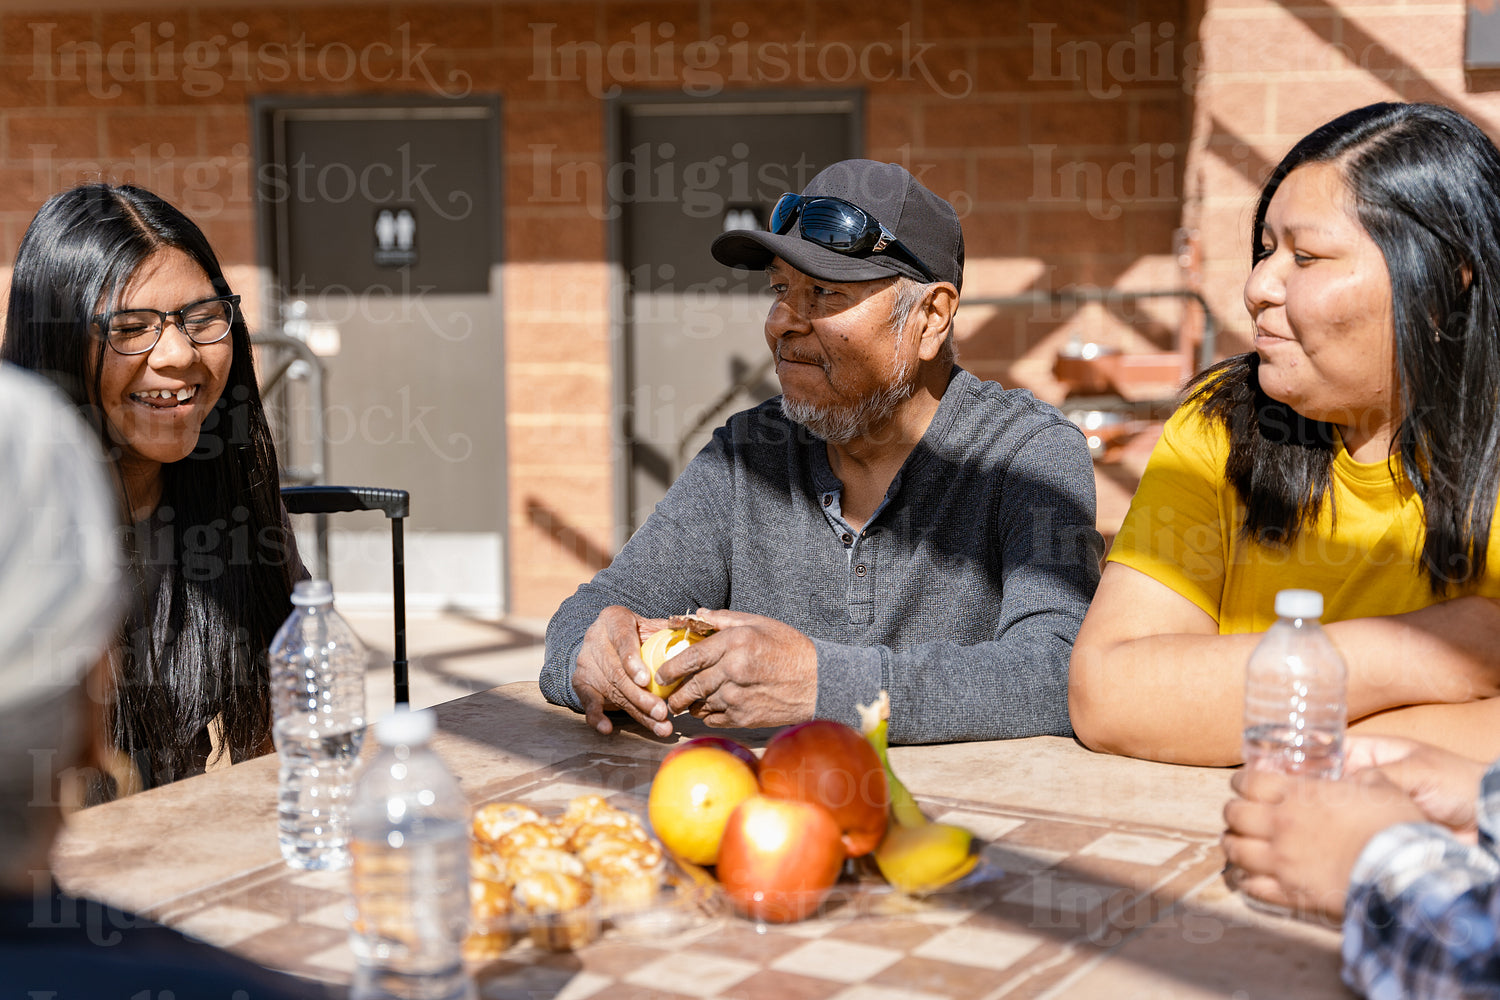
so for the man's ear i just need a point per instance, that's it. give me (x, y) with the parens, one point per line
(935, 312)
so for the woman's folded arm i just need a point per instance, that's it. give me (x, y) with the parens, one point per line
(1150, 676)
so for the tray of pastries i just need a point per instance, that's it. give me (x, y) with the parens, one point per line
(558, 881)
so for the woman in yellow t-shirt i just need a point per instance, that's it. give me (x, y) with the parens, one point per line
(1355, 452)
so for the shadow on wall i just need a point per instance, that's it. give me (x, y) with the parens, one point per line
(570, 539)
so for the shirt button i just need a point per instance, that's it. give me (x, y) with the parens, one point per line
(827, 499)
(859, 570)
(846, 538)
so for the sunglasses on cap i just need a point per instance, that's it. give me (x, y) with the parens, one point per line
(840, 226)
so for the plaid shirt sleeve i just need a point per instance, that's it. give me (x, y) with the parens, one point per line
(1423, 910)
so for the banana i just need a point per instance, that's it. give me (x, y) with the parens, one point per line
(918, 859)
(874, 725)
(916, 855)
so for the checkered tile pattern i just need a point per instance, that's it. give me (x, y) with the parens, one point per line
(1062, 890)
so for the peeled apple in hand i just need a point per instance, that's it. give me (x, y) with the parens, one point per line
(662, 646)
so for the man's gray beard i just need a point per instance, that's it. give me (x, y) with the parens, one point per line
(842, 424)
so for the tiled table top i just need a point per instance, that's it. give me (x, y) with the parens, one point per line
(1117, 894)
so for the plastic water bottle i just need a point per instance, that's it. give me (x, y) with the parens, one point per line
(1295, 711)
(410, 908)
(318, 707)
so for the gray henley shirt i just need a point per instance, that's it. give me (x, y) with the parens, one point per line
(961, 597)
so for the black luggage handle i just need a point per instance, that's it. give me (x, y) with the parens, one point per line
(395, 504)
(339, 499)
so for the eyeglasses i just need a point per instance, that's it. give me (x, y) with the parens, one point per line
(840, 226)
(136, 331)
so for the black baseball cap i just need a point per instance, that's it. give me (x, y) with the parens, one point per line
(924, 223)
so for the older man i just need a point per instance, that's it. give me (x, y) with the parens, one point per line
(890, 521)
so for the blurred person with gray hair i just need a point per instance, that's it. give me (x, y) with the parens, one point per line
(60, 600)
(889, 522)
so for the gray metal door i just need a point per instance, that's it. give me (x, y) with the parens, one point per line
(694, 344)
(384, 242)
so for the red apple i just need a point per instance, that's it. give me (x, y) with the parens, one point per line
(778, 858)
(741, 751)
(828, 763)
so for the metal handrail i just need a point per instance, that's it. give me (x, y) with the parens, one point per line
(307, 475)
(292, 475)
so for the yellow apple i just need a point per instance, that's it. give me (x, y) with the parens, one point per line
(691, 798)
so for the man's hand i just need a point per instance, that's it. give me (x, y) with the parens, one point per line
(610, 673)
(1444, 785)
(1296, 839)
(755, 671)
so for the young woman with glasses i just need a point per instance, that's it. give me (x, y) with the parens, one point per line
(118, 298)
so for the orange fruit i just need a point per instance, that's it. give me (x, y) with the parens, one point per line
(691, 799)
(660, 647)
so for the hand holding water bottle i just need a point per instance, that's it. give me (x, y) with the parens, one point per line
(1293, 842)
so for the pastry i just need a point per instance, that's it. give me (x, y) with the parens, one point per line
(489, 930)
(493, 821)
(553, 878)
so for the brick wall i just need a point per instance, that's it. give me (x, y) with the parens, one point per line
(1274, 72)
(1060, 130)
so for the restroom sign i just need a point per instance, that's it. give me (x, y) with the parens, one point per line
(395, 237)
(744, 217)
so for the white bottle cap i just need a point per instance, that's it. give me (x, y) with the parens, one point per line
(312, 592)
(1299, 604)
(405, 727)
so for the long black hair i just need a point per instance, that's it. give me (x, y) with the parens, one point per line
(1425, 183)
(210, 599)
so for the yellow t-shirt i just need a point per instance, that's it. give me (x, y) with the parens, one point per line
(1364, 556)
